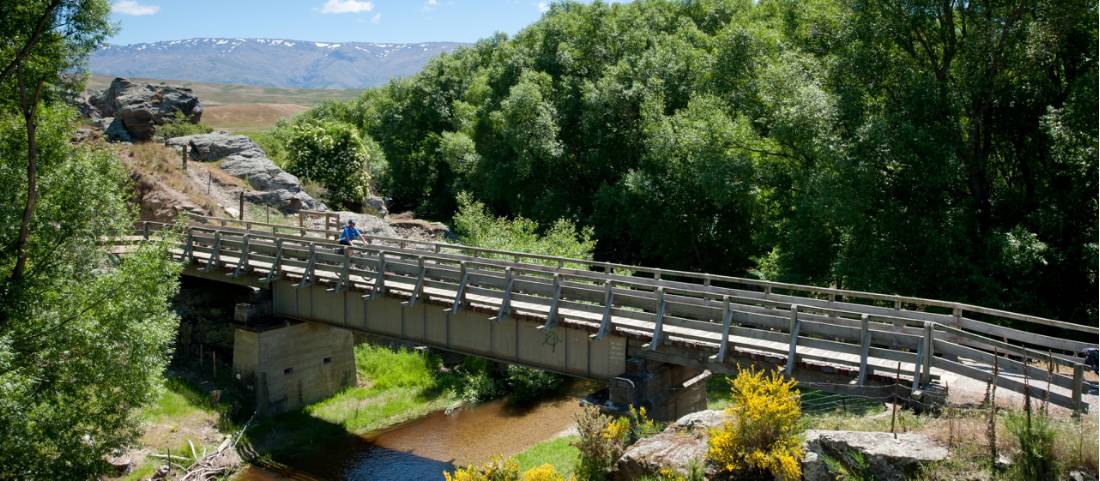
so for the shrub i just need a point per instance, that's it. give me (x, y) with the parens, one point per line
(761, 440)
(501, 469)
(527, 384)
(602, 439)
(332, 154)
(478, 384)
(180, 126)
(1035, 434)
(476, 226)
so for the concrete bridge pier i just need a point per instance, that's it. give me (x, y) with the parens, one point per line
(292, 364)
(667, 391)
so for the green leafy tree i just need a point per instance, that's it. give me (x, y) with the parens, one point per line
(931, 148)
(86, 339)
(333, 154)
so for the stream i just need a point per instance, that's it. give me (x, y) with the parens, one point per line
(423, 448)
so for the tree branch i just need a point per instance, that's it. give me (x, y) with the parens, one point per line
(39, 27)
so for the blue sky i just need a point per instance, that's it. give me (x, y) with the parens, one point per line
(322, 20)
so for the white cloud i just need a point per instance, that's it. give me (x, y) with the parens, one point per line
(346, 6)
(376, 18)
(543, 7)
(432, 3)
(132, 7)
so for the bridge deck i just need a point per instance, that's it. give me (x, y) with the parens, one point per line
(816, 331)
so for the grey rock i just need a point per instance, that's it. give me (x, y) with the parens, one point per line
(888, 459)
(116, 131)
(240, 157)
(680, 444)
(216, 145)
(141, 107)
(376, 205)
(1081, 476)
(368, 224)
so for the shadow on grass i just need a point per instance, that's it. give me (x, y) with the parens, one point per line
(301, 446)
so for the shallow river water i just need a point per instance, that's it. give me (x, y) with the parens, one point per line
(422, 449)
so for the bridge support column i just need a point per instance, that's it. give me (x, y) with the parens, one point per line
(667, 391)
(291, 365)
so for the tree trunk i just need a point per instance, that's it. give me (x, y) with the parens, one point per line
(29, 105)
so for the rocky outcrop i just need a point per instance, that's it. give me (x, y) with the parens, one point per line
(680, 444)
(240, 157)
(369, 224)
(136, 109)
(885, 457)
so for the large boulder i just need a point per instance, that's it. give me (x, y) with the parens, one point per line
(887, 457)
(368, 224)
(139, 108)
(680, 444)
(240, 157)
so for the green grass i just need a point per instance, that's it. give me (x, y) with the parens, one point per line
(396, 385)
(558, 452)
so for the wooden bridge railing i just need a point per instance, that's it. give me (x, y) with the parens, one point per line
(779, 318)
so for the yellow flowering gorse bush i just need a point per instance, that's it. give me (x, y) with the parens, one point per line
(505, 469)
(763, 434)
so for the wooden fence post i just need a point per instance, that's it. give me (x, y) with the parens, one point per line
(1078, 387)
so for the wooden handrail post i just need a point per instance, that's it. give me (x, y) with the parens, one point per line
(506, 297)
(460, 293)
(311, 265)
(605, 320)
(793, 326)
(926, 375)
(240, 203)
(242, 264)
(865, 346)
(552, 314)
(727, 319)
(659, 325)
(380, 281)
(345, 271)
(418, 289)
(275, 265)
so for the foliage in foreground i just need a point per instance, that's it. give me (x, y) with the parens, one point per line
(84, 340)
(761, 441)
(500, 469)
(1035, 435)
(602, 439)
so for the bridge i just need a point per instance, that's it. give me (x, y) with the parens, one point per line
(653, 334)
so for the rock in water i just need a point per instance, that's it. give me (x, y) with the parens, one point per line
(240, 157)
(886, 458)
(141, 107)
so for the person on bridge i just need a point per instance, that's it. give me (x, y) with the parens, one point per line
(350, 234)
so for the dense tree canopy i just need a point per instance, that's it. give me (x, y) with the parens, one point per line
(84, 339)
(934, 148)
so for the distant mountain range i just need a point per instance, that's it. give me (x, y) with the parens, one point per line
(268, 62)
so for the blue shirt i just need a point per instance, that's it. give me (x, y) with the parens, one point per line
(350, 233)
